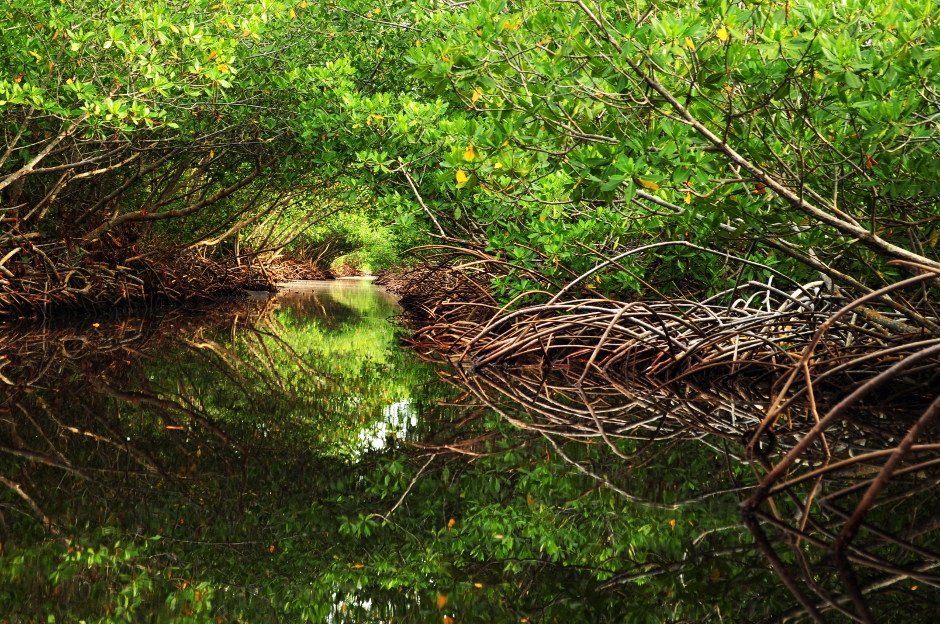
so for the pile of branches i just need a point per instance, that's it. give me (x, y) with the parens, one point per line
(33, 356)
(447, 294)
(829, 396)
(765, 353)
(293, 269)
(347, 270)
(38, 282)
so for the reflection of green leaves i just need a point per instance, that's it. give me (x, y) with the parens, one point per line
(325, 366)
(264, 493)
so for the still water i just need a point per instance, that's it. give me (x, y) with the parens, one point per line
(285, 459)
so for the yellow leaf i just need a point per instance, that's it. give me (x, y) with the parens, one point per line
(462, 177)
(303, 4)
(441, 601)
(292, 13)
(689, 44)
(688, 198)
(649, 184)
(722, 34)
(478, 585)
(223, 68)
(498, 536)
(469, 154)
(358, 566)
(476, 95)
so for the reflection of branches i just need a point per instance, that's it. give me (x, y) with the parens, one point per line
(404, 495)
(18, 489)
(88, 439)
(167, 407)
(830, 405)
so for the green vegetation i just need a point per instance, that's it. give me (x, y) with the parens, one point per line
(152, 145)
(134, 127)
(782, 130)
(798, 134)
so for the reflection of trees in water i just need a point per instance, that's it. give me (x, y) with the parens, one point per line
(225, 436)
(155, 391)
(338, 302)
(210, 452)
(79, 400)
(834, 487)
(197, 425)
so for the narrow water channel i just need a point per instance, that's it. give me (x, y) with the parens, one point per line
(285, 460)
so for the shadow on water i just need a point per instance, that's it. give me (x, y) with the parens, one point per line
(285, 460)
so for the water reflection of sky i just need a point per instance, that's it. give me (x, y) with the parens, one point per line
(397, 420)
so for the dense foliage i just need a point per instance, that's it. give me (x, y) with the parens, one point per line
(799, 134)
(131, 127)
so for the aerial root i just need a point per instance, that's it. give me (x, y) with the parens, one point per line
(829, 397)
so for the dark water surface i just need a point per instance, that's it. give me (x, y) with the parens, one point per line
(286, 460)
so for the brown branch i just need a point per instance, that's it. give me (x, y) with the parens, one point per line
(28, 167)
(172, 214)
(841, 222)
